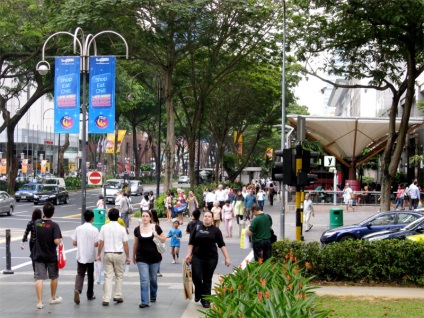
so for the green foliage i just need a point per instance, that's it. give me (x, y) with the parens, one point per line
(73, 183)
(160, 205)
(271, 289)
(388, 261)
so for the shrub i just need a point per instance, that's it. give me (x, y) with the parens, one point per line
(388, 261)
(271, 289)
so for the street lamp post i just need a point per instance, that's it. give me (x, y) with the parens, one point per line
(84, 44)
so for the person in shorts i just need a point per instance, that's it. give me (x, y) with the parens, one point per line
(48, 237)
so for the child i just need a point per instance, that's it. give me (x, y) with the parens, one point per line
(175, 234)
(216, 212)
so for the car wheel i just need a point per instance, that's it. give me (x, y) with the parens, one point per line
(35, 203)
(66, 200)
(346, 237)
(57, 202)
(10, 211)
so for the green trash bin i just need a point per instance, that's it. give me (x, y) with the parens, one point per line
(336, 218)
(99, 217)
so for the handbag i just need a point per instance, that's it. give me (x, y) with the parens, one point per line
(61, 256)
(187, 281)
(159, 245)
(181, 208)
(98, 272)
(245, 240)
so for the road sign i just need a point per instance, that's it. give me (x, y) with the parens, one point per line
(95, 178)
(329, 161)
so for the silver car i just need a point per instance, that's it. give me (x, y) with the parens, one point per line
(7, 203)
(136, 187)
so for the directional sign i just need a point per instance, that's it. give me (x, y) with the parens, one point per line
(329, 161)
(95, 178)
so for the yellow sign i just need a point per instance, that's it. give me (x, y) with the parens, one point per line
(110, 142)
(238, 140)
(24, 165)
(43, 166)
(3, 163)
(269, 152)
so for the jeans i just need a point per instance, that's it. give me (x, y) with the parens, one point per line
(202, 276)
(126, 218)
(399, 201)
(262, 249)
(79, 279)
(148, 278)
(261, 204)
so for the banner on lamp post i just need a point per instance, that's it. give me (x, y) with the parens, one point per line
(24, 165)
(67, 95)
(102, 95)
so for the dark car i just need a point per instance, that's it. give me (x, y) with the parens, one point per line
(416, 227)
(26, 192)
(51, 193)
(389, 220)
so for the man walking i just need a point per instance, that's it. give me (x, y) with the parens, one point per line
(260, 229)
(86, 239)
(44, 255)
(414, 195)
(113, 239)
(308, 209)
(248, 202)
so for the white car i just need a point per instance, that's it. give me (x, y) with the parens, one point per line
(183, 179)
(7, 203)
(136, 187)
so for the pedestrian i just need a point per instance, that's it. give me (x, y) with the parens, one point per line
(118, 200)
(192, 203)
(400, 194)
(151, 200)
(210, 199)
(194, 221)
(308, 210)
(228, 216)
(271, 193)
(101, 202)
(202, 253)
(260, 229)
(181, 201)
(145, 203)
(414, 195)
(124, 210)
(216, 212)
(113, 239)
(220, 195)
(260, 197)
(249, 200)
(47, 237)
(86, 239)
(175, 235)
(348, 197)
(147, 257)
(168, 206)
(30, 228)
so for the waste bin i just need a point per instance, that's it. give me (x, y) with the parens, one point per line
(336, 218)
(99, 217)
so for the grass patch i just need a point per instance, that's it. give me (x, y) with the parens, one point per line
(352, 307)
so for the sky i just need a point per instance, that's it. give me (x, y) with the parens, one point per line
(309, 94)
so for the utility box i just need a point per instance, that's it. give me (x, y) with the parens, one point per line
(99, 217)
(336, 217)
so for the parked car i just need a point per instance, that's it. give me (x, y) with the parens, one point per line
(378, 222)
(111, 188)
(183, 179)
(51, 193)
(26, 192)
(416, 227)
(56, 181)
(7, 203)
(136, 187)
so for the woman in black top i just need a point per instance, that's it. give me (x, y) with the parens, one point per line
(147, 257)
(202, 253)
(30, 228)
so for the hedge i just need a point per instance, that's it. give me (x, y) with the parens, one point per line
(385, 261)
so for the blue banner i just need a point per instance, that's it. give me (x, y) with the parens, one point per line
(67, 95)
(101, 119)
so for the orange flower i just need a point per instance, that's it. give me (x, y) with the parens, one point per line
(240, 316)
(225, 289)
(260, 260)
(296, 270)
(247, 261)
(231, 289)
(260, 295)
(267, 295)
(288, 277)
(307, 265)
(216, 289)
(263, 282)
(239, 287)
(290, 287)
(300, 285)
(300, 296)
(221, 280)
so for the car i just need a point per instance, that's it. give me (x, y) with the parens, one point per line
(56, 181)
(136, 187)
(381, 221)
(416, 227)
(7, 203)
(183, 179)
(111, 187)
(26, 192)
(51, 193)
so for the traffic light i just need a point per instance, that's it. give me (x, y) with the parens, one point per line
(285, 170)
(304, 177)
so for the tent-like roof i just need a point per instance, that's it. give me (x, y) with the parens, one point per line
(346, 138)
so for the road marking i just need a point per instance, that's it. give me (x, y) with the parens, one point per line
(71, 216)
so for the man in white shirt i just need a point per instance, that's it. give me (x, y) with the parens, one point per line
(414, 195)
(220, 195)
(113, 239)
(86, 239)
(210, 199)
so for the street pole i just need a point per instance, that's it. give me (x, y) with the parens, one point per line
(160, 127)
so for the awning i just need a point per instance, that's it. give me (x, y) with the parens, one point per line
(346, 138)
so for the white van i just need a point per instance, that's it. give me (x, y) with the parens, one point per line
(56, 181)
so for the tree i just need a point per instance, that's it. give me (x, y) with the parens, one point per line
(375, 40)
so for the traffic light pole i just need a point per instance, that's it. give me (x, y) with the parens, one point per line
(299, 195)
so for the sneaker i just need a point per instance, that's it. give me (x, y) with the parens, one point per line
(152, 300)
(40, 306)
(56, 300)
(176, 262)
(105, 303)
(159, 275)
(76, 296)
(173, 261)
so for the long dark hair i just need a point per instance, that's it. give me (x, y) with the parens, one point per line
(36, 214)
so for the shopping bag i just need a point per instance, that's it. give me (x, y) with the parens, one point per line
(180, 208)
(98, 272)
(61, 256)
(245, 240)
(187, 281)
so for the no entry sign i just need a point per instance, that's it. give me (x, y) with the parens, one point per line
(95, 178)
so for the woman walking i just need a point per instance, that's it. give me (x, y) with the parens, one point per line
(192, 203)
(30, 228)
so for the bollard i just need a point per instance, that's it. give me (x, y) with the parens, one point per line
(8, 269)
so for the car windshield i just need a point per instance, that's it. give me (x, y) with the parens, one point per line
(28, 187)
(112, 184)
(133, 183)
(414, 224)
(48, 188)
